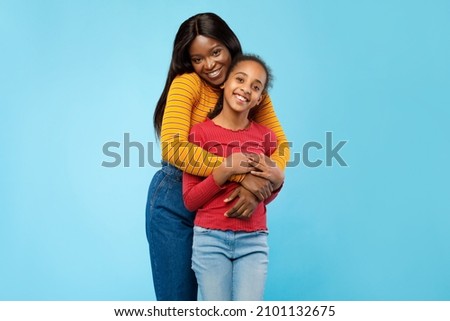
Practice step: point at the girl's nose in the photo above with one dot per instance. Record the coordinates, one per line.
(245, 89)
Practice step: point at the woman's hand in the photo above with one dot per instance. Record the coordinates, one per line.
(261, 187)
(266, 168)
(245, 206)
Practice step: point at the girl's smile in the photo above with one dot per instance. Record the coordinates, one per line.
(244, 87)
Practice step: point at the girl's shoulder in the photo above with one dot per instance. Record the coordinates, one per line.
(199, 132)
(202, 126)
(262, 128)
(268, 136)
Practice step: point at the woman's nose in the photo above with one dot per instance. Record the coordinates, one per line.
(210, 63)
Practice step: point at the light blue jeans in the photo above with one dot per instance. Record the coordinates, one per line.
(230, 266)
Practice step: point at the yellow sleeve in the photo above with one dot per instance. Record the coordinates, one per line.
(184, 94)
(266, 116)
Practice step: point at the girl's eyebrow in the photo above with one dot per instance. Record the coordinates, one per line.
(243, 73)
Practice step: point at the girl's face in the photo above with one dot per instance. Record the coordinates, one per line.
(244, 87)
(210, 59)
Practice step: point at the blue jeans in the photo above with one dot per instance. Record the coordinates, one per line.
(230, 266)
(169, 233)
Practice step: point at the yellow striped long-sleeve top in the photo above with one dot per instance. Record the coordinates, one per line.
(189, 101)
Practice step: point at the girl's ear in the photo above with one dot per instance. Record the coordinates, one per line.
(261, 98)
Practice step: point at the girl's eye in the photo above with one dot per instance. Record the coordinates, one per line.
(256, 88)
(216, 52)
(196, 60)
(239, 79)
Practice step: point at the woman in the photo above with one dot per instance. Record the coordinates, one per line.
(204, 47)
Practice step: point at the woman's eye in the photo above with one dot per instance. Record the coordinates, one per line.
(256, 88)
(216, 52)
(196, 60)
(239, 79)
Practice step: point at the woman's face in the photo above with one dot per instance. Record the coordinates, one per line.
(210, 59)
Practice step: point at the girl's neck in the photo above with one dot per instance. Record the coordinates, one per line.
(232, 120)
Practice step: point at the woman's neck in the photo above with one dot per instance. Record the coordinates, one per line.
(232, 120)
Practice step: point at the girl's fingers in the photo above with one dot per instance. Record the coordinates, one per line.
(256, 165)
(260, 174)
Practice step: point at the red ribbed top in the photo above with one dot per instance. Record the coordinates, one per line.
(205, 196)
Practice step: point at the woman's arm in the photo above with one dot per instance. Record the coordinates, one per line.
(184, 94)
(244, 206)
(266, 168)
(265, 115)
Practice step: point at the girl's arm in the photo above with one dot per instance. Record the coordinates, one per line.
(197, 191)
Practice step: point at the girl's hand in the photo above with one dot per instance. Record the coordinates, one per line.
(245, 206)
(236, 163)
(266, 168)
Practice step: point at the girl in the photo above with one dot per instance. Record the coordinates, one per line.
(230, 254)
(203, 49)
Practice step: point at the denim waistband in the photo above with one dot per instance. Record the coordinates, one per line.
(171, 170)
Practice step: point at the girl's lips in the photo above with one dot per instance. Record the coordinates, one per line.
(241, 98)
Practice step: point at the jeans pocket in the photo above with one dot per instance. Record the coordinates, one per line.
(202, 230)
(157, 183)
(261, 232)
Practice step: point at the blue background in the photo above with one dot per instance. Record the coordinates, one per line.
(76, 75)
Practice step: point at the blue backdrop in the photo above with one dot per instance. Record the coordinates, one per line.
(375, 75)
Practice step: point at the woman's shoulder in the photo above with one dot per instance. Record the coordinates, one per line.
(191, 81)
(189, 77)
(186, 85)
